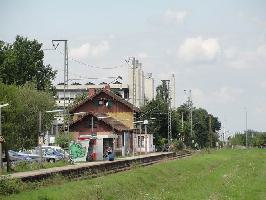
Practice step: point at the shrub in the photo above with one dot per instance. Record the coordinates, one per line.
(10, 186)
(177, 145)
(63, 140)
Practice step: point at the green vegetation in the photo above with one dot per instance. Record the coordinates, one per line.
(26, 166)
(222, 174)
(22, 62)
(26, 84)
(254, 139)
(20, 120)
(204, 129)
(63, 140)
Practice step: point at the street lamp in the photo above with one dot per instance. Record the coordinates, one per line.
(1, 156)
(145, 122)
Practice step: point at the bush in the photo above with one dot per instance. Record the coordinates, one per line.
(177, 145)
(63, 140)
(10, 186)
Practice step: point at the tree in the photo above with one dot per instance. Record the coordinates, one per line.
(20, 118)
(162, 92)
(158, 109)
(254, 138)
(63, 140)
(22, 62)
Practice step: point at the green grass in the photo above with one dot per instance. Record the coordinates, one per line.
(223, 174)
(25, 166)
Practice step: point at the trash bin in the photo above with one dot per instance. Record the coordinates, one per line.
(111, 157)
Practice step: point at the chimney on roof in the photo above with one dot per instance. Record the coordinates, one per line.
(91, 92)
(107, 88)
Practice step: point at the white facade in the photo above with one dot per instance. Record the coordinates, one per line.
(138, 76)
(140, 143)
(72, 91)
(149, 87)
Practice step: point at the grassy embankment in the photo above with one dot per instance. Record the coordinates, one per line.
(25, 166)
(223, 174)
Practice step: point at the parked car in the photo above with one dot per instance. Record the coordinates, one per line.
(57, 150)
(17, 156)
(51, 155)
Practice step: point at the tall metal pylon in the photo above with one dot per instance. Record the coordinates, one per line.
(134, 101)
(169, 113)
(134, 80)
(66, 113)
(190, 106)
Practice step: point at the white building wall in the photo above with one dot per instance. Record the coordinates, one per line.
(141, 148)
(140, 84)
(149, 87)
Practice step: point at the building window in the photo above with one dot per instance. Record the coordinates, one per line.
(140, 141)
(103, 102)
(89, 123)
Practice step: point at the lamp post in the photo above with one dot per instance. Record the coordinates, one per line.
(146, 122)
(1, 156)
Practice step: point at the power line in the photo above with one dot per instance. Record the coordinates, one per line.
(85, 64)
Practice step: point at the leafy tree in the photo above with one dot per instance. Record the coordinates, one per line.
(201, 134)
(254, 138)
(162, 92)
(22, 62)
(20, 119)
(156, 110)
(63, 140)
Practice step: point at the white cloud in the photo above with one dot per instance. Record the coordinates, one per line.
(241, 59)
(142, 55)
(171, 16)
(198, 97)
(260, 109)
(263, 84)
(221, 96)
(227, 94)
(87, 50)
(261, 51)
(199, 50)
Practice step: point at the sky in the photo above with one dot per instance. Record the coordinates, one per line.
(216, 48)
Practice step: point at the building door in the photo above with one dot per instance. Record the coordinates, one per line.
(107, 143)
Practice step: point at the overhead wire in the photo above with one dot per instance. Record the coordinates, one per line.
(85, 64)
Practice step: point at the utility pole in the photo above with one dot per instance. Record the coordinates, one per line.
(40, 136)
(246, 129)
(182, 126)
(190, 106)
(66, 113)
(134, 101)
(169, 114)
(1, 139)
(140, 138)
(210, 131)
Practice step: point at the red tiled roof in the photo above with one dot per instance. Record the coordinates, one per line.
(111, 94)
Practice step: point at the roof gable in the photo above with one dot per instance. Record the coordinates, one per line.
(109, 93)
(115, 124)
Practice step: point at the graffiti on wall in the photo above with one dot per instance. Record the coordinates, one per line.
(77, 150)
